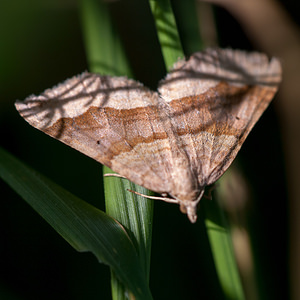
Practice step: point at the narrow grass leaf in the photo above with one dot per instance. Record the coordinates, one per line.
(104, 50)
(85, 227)
(132, 211)
(166, 31)
(222, 249)
(215, 222)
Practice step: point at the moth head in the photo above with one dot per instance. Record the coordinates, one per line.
(190, 207)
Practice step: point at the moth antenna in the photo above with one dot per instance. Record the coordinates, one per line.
(169, 200)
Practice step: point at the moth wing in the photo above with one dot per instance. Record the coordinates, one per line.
(113, 120)
(214, 99)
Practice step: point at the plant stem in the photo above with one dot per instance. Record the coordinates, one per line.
(167, 31)
(105, 55)
(218, 233)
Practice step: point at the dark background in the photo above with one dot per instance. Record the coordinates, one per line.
(41, 45)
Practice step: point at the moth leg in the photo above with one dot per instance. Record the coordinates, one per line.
(114, 175)
(169, 200)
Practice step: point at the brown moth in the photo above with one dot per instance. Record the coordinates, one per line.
(175, 141)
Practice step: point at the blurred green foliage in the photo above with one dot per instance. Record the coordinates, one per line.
(41, 45)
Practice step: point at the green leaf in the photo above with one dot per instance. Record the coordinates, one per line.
(167, 31)
(133, 211)
(215, 222)
(104, 49)
(105, 54)
(85, 227)
(218, 232)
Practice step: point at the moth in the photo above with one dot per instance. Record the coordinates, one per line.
(174, 141)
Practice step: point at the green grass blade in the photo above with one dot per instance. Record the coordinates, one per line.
(104, 49)
(219, 236)
(134, 212)
(85, 227)
(167, 31)
(187, 21)
(216, 225)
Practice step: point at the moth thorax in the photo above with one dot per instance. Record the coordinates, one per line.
(186, 188)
